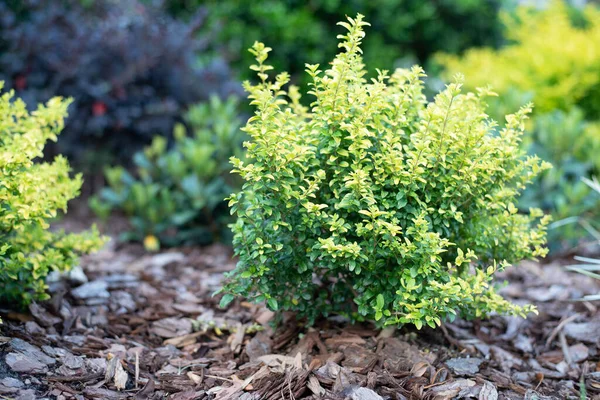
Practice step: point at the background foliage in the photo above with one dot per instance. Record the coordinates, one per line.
(378, 203)
(131, 70)
(552, 55)
(553, 59)
(177, 194)
(571, 144)
(31, 194)
(402, 31)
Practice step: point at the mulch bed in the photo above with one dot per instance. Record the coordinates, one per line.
(145, 326)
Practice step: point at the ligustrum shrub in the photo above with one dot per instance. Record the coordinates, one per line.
(176, 195)
(31, 194)
(376, 203)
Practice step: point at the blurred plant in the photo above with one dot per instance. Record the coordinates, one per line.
(378, 204)
(571, 144)
(131, 71)
(403, 31)
(589, 266)
(31, 195)
(551, 56)
(177, 196)
(553, 59)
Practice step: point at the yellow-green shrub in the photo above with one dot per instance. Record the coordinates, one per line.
(549, 56)
(376, 203)
(31, 194)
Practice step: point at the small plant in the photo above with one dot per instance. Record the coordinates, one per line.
(376, 203)
(177, 196)
(589, 266)
(31, 194)
(132, 71)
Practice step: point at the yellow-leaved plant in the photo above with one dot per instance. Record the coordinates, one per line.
(31, 193)
(375, 203)
(549, 58)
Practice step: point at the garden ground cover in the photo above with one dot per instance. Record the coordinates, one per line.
(145, 326)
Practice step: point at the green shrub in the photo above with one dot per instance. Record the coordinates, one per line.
(402, 29)
(177, 196)
(30, 195)
(589, 266)
(552, 59)
(571, 144)
(377, 203)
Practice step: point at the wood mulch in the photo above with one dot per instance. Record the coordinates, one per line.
(145, 326)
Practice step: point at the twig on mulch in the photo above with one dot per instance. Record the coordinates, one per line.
(77, 378)
(559, 327)
(455, 342)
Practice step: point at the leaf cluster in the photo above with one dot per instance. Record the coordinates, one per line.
(377, 203)
(31, 194)
(176, 193)
(553, 58)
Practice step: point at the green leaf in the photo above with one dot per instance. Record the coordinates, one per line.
(380, 301)
(226, 300)
(272, 303)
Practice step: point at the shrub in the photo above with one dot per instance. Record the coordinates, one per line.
(571, 144)
(589, 266)
(554, 60)
(31, 194)
(131, 71)
(402, 29)
(377, 203)
(177, 195)
(551, 57)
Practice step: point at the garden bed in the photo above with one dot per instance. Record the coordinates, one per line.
(146, 326)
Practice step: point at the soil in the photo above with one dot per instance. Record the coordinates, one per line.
(146, 326)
